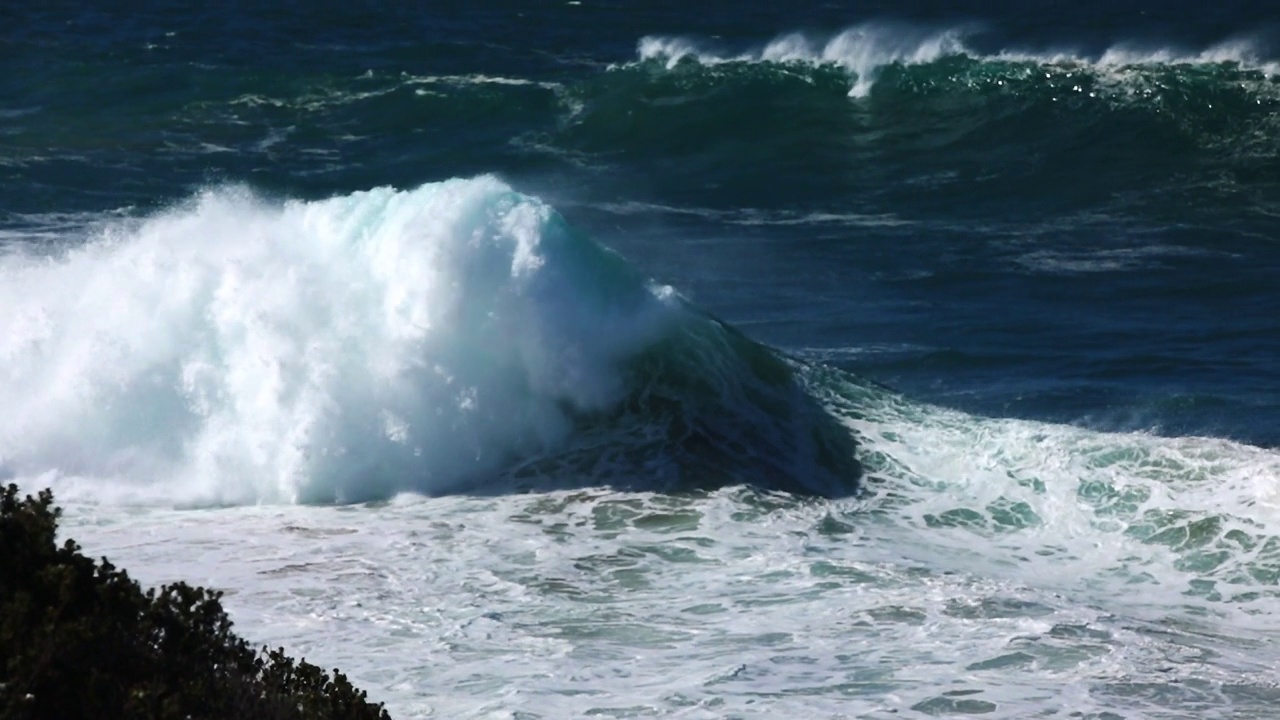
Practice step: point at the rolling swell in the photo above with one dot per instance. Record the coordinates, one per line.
(885, 113)
(455, 337)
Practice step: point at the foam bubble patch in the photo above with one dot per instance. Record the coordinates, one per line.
(1168, 521)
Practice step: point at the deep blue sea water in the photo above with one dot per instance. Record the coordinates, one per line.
(990, 276)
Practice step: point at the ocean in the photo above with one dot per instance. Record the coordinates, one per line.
(663, 359)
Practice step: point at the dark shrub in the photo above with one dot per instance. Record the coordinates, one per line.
(79, 639)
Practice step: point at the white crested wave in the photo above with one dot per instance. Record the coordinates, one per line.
(864, 50)
(240, 350)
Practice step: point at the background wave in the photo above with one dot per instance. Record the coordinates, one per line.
(1054, 130)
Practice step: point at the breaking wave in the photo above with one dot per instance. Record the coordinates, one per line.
(448, 337)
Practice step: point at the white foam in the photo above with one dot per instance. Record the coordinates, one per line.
(1082, 511)
(239, 350)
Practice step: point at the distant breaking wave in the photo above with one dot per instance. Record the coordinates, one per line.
(862, 50)
(865, 50)
(1039, 124)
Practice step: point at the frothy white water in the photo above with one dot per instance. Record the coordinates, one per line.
(997, 567)
(239, 350)
(1168, 522)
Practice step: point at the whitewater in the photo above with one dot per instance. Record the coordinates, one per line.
(441, 439)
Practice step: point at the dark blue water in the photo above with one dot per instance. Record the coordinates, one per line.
(1066, 214)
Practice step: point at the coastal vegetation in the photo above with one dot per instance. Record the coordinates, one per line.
(80, 639)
